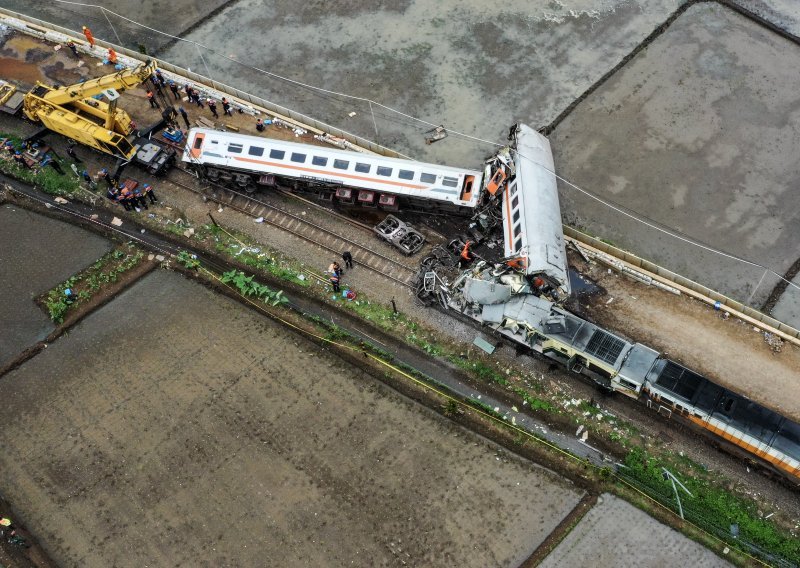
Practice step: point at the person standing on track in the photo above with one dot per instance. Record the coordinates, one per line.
(226, 107)
(152, 98)
(148, 192)
(348, 259)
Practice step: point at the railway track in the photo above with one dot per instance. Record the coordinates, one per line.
(331, 241)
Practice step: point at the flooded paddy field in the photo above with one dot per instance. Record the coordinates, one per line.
(615, 533)
(36, 253)
(174, 427)
(699, 133)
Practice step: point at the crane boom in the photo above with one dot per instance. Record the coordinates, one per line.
(72, 111)
(121, 80)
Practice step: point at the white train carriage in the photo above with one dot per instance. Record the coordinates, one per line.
(532, 231)
(346, 177)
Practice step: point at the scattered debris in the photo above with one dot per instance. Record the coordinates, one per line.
(259, 219)
(116, 221)
(60, 200)
(775, 343)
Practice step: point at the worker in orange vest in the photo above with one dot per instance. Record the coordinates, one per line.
(152, 99)
(112, 56)
(466, 256)
(89, 37)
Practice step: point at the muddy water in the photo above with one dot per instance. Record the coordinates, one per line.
(174, 427)
(21, 72)
(36, 253)
(474, 66)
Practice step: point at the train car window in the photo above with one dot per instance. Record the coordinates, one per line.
(788, 439)
(277, 154)
(516, 216)
(299, 158)
(515, 202)
(513, 188)
(235, 148)
(726, 405)
(341, 164)
(384, 171)
(198, 142)
(427, 178)
(518, 244)
(450, 182)
(363, 168)
(319, 161)
(255, 151)
(518, 230)
(405, 174)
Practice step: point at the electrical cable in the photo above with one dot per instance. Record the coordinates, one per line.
(636, 217)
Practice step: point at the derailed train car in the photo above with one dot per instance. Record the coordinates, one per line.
(344, 177)
(504, 302)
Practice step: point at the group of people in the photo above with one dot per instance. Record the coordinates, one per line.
(17, 155)
(226, 107)
(111, 56)
(132, 199)
(335, 269)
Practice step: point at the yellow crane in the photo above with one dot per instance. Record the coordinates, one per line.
(74, 112)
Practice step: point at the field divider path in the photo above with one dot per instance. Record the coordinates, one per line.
(311, 232)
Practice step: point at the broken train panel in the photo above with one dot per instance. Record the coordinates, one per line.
(503, 300)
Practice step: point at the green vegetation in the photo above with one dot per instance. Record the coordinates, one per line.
(188, 260)
(713, 507)
(247, 286)
(105, 271)
(46, 178)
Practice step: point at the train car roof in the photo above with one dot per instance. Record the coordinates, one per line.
(533, 195)
(739, 411)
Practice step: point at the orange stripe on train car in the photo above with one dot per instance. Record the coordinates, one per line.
(746, 446)
(323, 172)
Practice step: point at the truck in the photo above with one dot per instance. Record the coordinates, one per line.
(88, 113)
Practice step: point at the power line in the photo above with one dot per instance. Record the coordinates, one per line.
(614, 207)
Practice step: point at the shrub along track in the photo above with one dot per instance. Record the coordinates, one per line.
(335, 243)
(406, 369)
(409, 363)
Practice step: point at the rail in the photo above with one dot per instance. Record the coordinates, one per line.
(310, 232)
